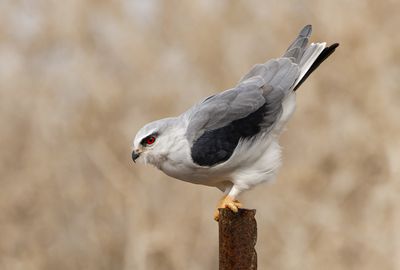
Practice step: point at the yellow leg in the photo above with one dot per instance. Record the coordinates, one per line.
(227, 202)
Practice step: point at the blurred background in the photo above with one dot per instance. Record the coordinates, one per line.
(79, 78)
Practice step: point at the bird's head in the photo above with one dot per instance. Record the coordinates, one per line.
(152, 142)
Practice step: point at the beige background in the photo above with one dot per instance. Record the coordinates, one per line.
(79, 78)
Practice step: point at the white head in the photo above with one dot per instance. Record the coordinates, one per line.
(153, 142)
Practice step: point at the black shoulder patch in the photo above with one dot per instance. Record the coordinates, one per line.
(216, 146)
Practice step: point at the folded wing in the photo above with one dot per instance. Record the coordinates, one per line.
(216, 125)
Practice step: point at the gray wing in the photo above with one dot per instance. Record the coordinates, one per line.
(266, 84)
(216, 125)
(223, 108)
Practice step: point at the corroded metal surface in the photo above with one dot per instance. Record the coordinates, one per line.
(237, 240)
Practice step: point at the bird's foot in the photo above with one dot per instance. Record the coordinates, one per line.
(227, 202)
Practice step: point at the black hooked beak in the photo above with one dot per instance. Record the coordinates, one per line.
(135, 155)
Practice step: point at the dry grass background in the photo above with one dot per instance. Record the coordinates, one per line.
(79, 78)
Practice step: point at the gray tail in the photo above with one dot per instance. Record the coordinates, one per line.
(307, 57)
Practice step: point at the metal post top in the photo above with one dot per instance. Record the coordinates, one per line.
(249, 213)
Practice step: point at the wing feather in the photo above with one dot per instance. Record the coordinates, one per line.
(269, 85)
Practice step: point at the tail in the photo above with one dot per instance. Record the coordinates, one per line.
(308, 58)
(326, 52)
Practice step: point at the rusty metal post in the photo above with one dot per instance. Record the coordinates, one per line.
(237, 240)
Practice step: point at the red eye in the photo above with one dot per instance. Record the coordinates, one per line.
(150, 140)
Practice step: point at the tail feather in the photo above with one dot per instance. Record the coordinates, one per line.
(326, 52)
(309, 56)
(306, 58)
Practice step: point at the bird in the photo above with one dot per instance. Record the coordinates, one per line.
(230, 140)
